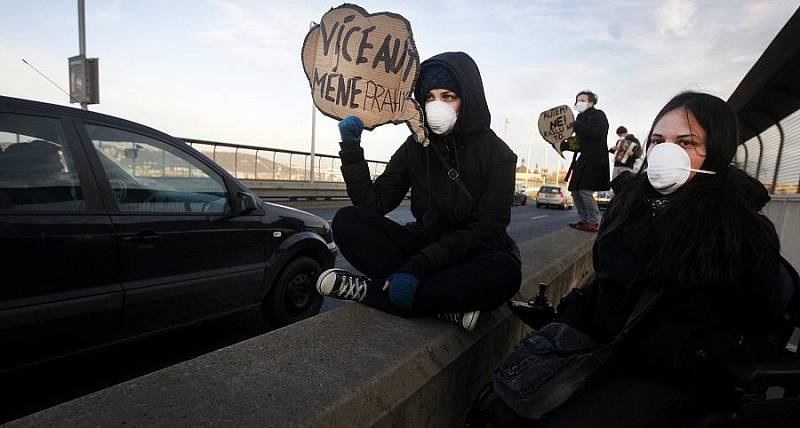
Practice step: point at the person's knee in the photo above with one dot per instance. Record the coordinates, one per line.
(512, 281)
(511, 273)
(508, 277)
(347, 219)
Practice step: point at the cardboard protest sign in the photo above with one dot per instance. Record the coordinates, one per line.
(364, 65)
(555, 125)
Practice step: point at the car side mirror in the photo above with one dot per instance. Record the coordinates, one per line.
(246, 202)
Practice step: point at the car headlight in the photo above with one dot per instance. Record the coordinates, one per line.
(324, 231)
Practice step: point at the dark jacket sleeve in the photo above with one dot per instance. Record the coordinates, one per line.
(579, 309)
(387, 191)
(486, 227)
(593, 126)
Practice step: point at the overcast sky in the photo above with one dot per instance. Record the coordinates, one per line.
(230, 70)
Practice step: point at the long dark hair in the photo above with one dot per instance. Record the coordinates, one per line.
(698, 239)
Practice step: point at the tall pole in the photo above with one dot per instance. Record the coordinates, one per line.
(313, 136)
(313, 126)
(82, 38)
(547, 171)
(558, 171)
(528, 177)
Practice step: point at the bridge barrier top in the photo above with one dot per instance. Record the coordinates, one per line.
(264, 163)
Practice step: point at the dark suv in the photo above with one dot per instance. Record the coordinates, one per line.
(110, 230)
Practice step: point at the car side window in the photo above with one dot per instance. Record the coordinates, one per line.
(148, 175)
(37, 172)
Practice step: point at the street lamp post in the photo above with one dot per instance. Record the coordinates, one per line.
(547, 171)
(313, 137)
(528, 171)
(558, 171)
(82, 38)
(313, 126)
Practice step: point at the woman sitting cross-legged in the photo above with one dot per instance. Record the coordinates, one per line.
(456, 259)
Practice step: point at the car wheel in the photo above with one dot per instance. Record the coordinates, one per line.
(524, 201)
(538, 205)
(294, 296)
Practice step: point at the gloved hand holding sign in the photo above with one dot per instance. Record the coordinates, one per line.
(350, 129)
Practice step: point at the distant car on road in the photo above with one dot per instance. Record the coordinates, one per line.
(110, 230)
(603, 198)
(520, 198)
(554, 196)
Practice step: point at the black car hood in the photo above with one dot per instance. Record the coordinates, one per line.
(299, 219)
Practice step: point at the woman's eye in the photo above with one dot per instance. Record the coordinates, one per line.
(656, 141)
(687, 143)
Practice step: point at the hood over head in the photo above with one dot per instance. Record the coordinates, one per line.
(474, 115)
(438, 76)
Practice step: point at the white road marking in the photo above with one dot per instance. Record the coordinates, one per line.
(539, 216)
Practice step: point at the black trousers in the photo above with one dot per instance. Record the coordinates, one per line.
(378, 247)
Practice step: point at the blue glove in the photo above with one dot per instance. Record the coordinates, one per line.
(350, 128)
(402, 288)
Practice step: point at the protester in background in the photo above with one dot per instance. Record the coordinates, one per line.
(689, 225)
(457, 258)
(622, 132)
(589, 171)
(626, 152)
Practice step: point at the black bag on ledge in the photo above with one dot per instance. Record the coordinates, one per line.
(557, 362)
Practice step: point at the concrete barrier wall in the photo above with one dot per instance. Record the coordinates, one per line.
(784, 211)
(354, 366)
(278, 190)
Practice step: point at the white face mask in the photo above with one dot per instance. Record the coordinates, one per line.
(441, 117)
(668, 167)
(581, 106)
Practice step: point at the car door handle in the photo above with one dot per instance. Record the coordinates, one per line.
(144, 239)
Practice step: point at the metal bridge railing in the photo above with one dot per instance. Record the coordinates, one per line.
(262, 163)
(773, 157)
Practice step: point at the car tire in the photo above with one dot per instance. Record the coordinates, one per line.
(524, 201)
(294, 296)
(538, 205)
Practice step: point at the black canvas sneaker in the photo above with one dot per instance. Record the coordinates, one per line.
(467, 320)
(341, 284)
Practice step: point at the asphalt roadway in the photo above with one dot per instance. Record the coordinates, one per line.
(46, 385)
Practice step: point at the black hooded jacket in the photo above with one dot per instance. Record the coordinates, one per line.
(457, 225)
(704, 320)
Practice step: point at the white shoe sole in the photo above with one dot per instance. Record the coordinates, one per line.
(470, 320)
(326, 281)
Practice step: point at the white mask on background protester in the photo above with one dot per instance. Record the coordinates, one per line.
(668, 167)
(441, 117)
(581, 106)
